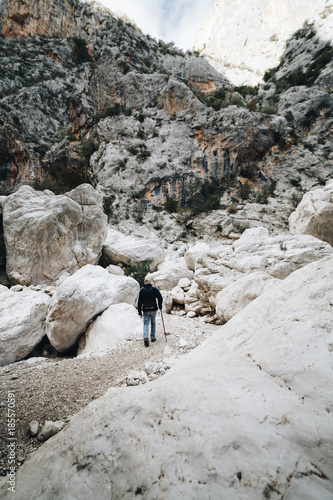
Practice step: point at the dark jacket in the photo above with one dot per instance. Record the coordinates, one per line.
(147, 299)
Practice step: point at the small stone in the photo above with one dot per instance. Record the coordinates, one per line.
(191, 314)
(50, 429)
(184, 283)
(33, 428)
(16, 288)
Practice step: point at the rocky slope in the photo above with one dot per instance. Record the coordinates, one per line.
(246, 414)
(245, 38)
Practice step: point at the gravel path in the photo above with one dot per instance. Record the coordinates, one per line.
(56, 389)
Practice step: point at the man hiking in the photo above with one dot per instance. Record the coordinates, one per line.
(147, 304)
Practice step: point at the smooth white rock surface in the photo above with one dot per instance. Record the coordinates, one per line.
(314, 214)
(47, 235)
(117, 323)
(193, 253)
(248, 411)
(22, 322)
(239, 294)
(177, 295)
(82, 296)
(121, 248)
(117, 270)
(169, 273)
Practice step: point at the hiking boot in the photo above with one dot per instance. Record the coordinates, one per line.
(146, 341)
(153, 340)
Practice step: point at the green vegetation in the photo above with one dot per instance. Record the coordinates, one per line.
(249, 171)
(56, 187)
(300, 77)
(171, 205)
(87, 149)
(80, 50)
(138, 271)
(244, 190)
(143, 155)
(108, 205)
(141, 134)
(116, 110)
(133, 150)
(208, 198)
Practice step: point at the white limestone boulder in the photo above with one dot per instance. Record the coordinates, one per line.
(177, 295)
(246, 414)
(82, 296)
(193, 253)
(314, 214)
(117, 270)
(185, 283)
(169, 273)
(119, 248)
(239, 294)
(22, 322)
(47, 235)
(117, 323)
(254, 251)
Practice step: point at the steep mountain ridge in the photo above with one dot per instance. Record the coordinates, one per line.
(150, 126)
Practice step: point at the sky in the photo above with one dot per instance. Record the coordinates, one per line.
(169, 20)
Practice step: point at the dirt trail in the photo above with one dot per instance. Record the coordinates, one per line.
(56, 389)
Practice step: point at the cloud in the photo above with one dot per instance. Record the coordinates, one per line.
(169, 20)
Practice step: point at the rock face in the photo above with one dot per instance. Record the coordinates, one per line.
(269, 428)
(146, 123)
(119, 248)
(37, 17)
(47, 235)
(243, 39)
(117, 323)
(314, 215)
(22, 324)
(239, 294)
(80, 298)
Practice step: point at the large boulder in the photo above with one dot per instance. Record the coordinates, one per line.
(22, 324)
(47, 235)
(314, 214)
(245, 415)
(239, 294)
(119, 248)
(169, 273)
(192, 254)
(117, 323)
(82, 296)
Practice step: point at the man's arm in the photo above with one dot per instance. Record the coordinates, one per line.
(159, 297)
(140, 303)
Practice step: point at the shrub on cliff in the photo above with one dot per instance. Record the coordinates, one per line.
(80, 50)
(138, 271)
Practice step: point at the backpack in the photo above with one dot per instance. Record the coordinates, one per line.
(149, 301)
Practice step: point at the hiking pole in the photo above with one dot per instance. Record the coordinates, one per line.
(163, 326)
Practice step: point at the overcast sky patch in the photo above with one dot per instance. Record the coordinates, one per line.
(168, 20)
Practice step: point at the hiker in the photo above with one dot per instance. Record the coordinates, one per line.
(147, 304)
